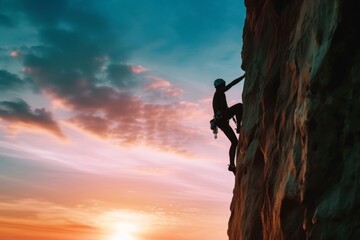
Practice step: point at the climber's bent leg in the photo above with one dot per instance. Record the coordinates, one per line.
(237, 111)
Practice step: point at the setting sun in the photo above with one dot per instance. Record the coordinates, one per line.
(121, 225)
(122, 236)
(123, 231)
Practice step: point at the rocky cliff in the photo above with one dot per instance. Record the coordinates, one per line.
(299, 150)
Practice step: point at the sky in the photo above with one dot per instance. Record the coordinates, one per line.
(104, 118)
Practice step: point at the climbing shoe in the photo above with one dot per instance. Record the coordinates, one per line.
(232, 168)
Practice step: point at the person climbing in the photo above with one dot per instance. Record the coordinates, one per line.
(223, 113)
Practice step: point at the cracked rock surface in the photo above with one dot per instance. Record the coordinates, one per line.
(298, 161)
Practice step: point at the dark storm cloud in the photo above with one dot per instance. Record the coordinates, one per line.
(10, 81)
(20, 112)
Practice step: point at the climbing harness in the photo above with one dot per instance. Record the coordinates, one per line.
(213, 123)
(213, 127)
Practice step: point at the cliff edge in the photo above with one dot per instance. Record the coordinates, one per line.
(298, 164)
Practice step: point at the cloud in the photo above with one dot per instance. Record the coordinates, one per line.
(9, 80)
(158, 83)
(161, 89)
(15, 54)
(94, 124)
(66, 66)
(19, 112)
(131, 121)
(121, 75)
(80, 61)
(89, 220)
(139, 69)
(27, 215)
(117, 113)
(43, 12)
(6, 21)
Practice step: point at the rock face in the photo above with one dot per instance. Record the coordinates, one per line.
(299, 149)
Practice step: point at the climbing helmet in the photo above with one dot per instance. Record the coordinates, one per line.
(218, 82)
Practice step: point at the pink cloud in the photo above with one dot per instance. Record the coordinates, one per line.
(131, 122)
(175, 92)
(157, 83)
(15, 54)
(138, 69)
(94, 124)
(156, 120)
(163, 88)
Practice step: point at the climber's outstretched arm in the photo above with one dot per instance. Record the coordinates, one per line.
(236, 81)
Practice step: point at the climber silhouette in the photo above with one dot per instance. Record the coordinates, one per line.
(223, 113)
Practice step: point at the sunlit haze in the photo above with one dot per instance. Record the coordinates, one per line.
(104, 118)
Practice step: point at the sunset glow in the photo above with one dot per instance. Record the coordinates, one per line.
(121, 227)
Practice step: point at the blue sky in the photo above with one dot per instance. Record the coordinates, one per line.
(116, 94)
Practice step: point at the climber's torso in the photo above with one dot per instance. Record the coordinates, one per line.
(219, 102)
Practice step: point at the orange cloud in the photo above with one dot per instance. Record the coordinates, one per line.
(39, 219)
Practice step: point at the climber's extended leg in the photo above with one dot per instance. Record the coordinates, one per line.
(233, 139)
